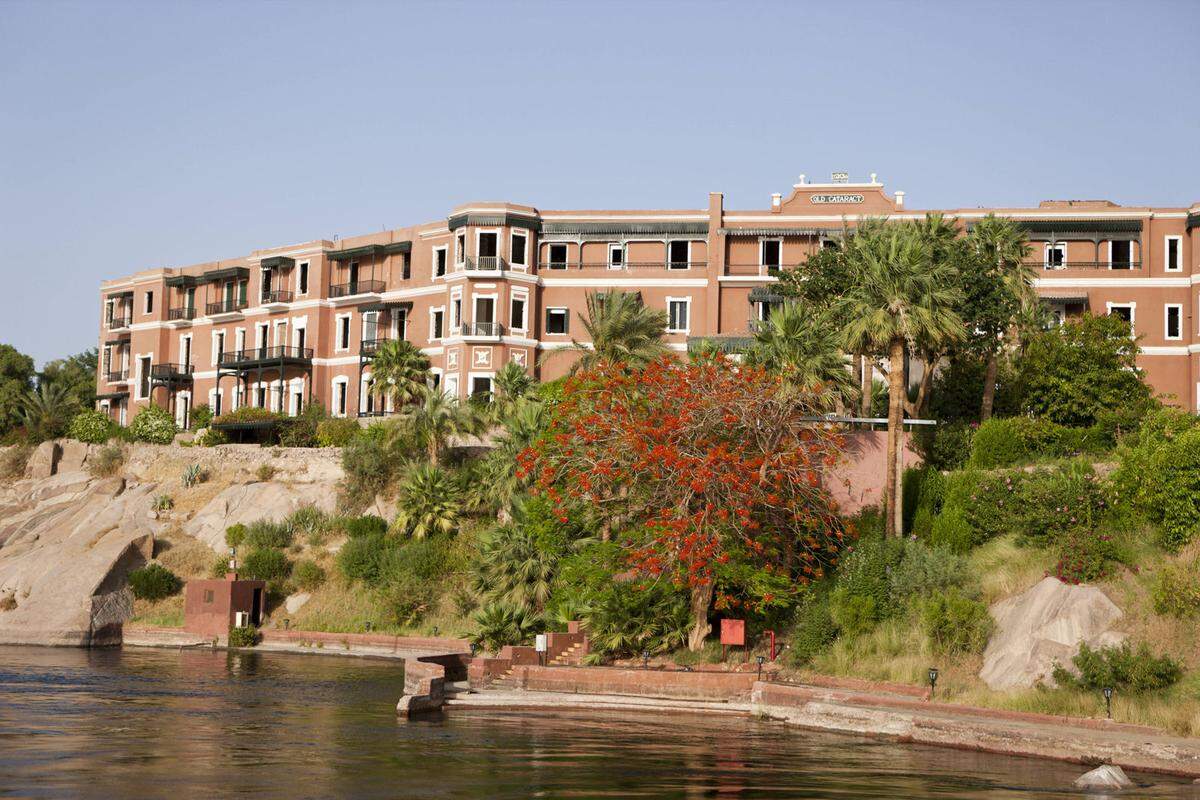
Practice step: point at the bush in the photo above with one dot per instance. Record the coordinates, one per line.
(265, 564)
(361, 558)
(997, 443)
(235, 535)
(952, 531)
(1176, 591)
(812, 633)
(301, 431)
(627, 619)
(310, 522)
(1054, 502)
(246, 636)
(955, 623)
(337, 431)
(249, 414)
(1121, 668)
(201, 416)
(1171, 489)
(154, 582)
(210, 437)
(264, 533)
(220, 567)
(943, 447)
(265, 472)
(500, 624)
(307, 575)
(13, 461)
(192, 475)
(153, 424)
(366, 525)
(1084, 555)
(163, 502)
(925, 571)
(106, 461)
(862, 594)
(91, 426)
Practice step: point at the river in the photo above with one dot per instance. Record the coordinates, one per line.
(162, 723)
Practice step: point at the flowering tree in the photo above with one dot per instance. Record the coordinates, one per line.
(709, 470)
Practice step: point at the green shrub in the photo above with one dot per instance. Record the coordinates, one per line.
(853, 614)
(337, 431)
(235, 535)
(814, 630)
(997, 443)
(307, 575)
(193, 475)
(430, 501)
(249, 414)
(153, 424)
(301, 431)
(265, 472)
(370, 463)
(210, 437)
(154, 582)
(265, 564)
(361, 558)
(201, 416)
(861, 596)
(91, 426)
(163, 502)
(943, 447)
(1120, 668)
(500, 624)
(13, 461)
(627, 619)
(924, 571)
(952, 531)
(1084, 555)
(366, 525)
(267, 534)
(1053, 502)
(106, 461)
(1176, 591)
(955, 623)
(1171, 489)
(310, 522)
(246, 636)
(220, 567)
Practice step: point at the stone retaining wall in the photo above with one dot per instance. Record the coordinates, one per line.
(677, 685)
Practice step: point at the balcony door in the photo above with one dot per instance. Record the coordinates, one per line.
(1120, 254)
(185, 352)
(370, 323)
(353, 277)
(264, 339)
(488, 244)
(228, 296)
(189, 300)
(485, 315)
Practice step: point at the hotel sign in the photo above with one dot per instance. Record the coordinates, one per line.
(822, 199)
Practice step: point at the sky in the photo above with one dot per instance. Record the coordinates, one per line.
(161, 134)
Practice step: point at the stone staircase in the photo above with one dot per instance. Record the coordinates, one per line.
(571, 657)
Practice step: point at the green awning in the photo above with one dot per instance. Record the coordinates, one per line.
(120, 295)
(351, 253)
(618, 228)
(1193, 220)
(182, 281)
(277, 262)
(112, 395)
(388, 306)
(764, 294)
(397, 247)
(226, 274)
(724, 344)
(498, 219)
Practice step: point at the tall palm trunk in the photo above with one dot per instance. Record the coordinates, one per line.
(896, 397)
(702, 594)
(866, 382)
(989, 386)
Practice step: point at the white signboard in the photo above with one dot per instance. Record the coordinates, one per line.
(540, 643)
(822, 199)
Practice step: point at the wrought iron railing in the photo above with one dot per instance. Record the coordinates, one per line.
(275, 353)
(277, 296)
(1118, 265)
(183, 312)
(368, 346)
(168, 371)
(355, 287)
(120, 321)
(225, 307)
(482, 329)
(483, 264)
(117, 376)
(628, 265)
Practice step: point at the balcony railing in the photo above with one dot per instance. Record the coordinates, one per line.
(355, 287)
(168, 372)
(754, 269)
(628, 265)
(120, 321)
(482, 264)
(1117, 265)
(369, 346)
(277, 296)
(184, 312)
(255, 354)
(117, 377)
(482, 329)
(225, 307)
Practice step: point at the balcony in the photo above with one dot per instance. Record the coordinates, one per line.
(369, 347)
(280, 355)
(170, 373)
(181, 314)
(119, 376)
(482, 330)
(602, 266)
(224, 307)
(277, 297)
(119, 321)
(1111, 265)
(749, 270)
(355, 288)
(482, 264)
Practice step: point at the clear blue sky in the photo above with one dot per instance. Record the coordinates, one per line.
(137, 135)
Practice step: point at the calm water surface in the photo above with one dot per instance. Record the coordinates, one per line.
(161, 723)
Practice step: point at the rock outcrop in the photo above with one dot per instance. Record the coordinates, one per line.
(249, 502)
(1044, 625)
(1107, 776)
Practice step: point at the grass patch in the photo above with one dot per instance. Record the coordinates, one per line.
(166, 613)
(1005, 568)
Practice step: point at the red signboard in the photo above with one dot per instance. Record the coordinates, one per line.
(733, 631)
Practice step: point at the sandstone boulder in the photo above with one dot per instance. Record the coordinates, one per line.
(1043, 625)
(246, 503)
(1107, 776)
(73, 456)
(43, 461)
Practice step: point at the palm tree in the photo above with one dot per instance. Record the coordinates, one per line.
(511, 384)
(400, 370)
(900, 295)
(437, 416)
(1003, 243)
(805, 345)
(47, 411)
(498, 470)
(430, 502)
(622, 331)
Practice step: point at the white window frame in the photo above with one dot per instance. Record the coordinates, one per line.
(239, 339)
(280, 340)
(491, 376)
(362, 333)
(217, 351)
(295, 388)
(494, 297)
(687, 301)
(365, 388)
(667, 255)
(148, 302)
(616, 247)
(566, 249)
(338, 346)
(1167, 321)
(565, 311)
(1167, 253)
(304, 269)
(299, 324)
(262, 335)
(1132, 306)
(137, 376)
(433, 312)
(344, 381)
(183, 409)
(460, 248)
(455, 315)
(512, 237)
(217, 407)
(449, 384)
(523, 296)
(433, 265)
(186, 337)
(762, 251)
(1049, 246)
(479, 232)
(1110, 256)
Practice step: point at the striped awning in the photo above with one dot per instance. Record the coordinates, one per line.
(119, 295)
(765, 294)
(229, 273)
(620, 228)
(182, 280)
(777, 231)
(395, 305)
(499, 219)
(1068, 298)
(277, 262)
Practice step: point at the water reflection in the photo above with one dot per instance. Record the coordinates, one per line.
(166, 723)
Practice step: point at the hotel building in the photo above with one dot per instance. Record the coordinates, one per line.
(498, 282)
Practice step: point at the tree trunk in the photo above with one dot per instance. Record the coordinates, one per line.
(989, 386)
(892, 512)
(866, 383)
(702, 594)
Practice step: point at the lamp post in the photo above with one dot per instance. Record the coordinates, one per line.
(474, 647)
(645, 659)
(933, 676)
(233, 559)
(1108, 701)
(368, 626)
(760, 660)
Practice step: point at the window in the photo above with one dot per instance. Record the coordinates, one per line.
(437, 318)
(339, 397)
(406, 266)
(300, 336)
(400, 323)
(517, 248)
(208, 595)
(558, 256)
(460, 248)
(516, 316)
(242, 292)
(302, 278)
(1055, 255)
(185, 350)
(1174, 321)
(616, 256)
(1124, 311)
(262, 337)
(557, 321)
(370, 325)
(218, 346)
(678, 254)
(149, 302)
(677, 314)
(239, 339)
(481, 386)
(439, 261)
(216, 403)
(343, 332)
(260, 396)
(455, 313)
(1172, 254)
(1119, 254)
(771, 253)
(108, 313)
(144, 376)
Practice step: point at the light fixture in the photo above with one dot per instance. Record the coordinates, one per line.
(933, 676)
